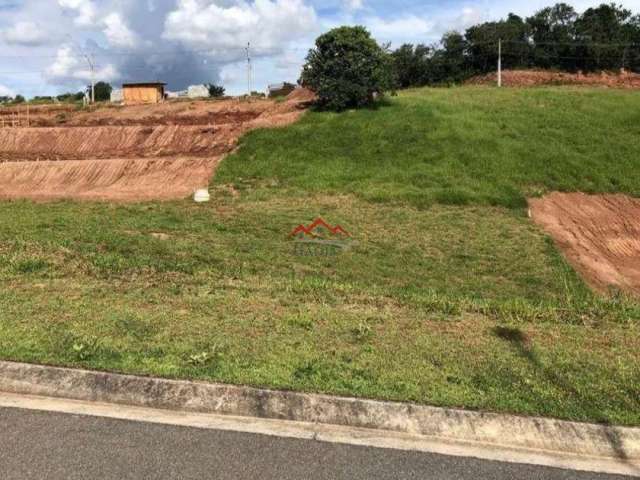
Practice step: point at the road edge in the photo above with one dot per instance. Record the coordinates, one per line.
(592, 447)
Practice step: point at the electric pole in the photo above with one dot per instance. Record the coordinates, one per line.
(92, 67)
(249, 70)
(500, 63)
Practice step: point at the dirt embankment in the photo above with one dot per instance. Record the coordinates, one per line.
(114, 179)
(111, 142)
(131, 153)
(533, 78)
(598, 234)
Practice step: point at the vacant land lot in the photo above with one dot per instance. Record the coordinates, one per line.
(452, 296)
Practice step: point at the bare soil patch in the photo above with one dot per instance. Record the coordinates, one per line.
(123, 180)
(130, 153)
(533, 78)
(599, 235)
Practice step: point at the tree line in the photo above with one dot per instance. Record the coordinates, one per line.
(557, 37)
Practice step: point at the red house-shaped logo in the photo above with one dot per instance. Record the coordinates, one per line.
(319, 229)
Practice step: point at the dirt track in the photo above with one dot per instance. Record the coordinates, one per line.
(599, 235)
(131, 153)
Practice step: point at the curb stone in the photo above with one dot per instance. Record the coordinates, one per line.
(621, 444)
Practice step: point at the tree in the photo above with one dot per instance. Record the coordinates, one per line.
(70, 97)
(216, 91)
(412, 65)
(454, 64)
(483, 42)
(102, 91)
(605, 32)
(347, 68)
(18, 99)
(553, 33)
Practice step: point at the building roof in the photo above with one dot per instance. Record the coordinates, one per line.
(144, 84)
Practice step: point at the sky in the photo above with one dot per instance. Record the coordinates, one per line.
(46, 46)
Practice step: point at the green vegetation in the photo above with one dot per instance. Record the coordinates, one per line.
(451, 296)
(102, 91)
(470, 146)
(347, 68)
(606, 37)
(216, 91)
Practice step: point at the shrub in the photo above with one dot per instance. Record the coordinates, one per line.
(347, 68)
(216, 91)
(103, 91)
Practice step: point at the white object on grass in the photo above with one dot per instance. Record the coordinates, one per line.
(202, 196)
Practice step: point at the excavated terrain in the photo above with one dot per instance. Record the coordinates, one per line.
(534, 78)
(135, 153)
(598, 234)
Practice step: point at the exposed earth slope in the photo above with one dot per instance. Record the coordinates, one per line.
(132, 153)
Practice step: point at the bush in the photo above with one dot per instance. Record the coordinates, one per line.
(103, 91)
(216, 91)
(71, 97)
(347, 68)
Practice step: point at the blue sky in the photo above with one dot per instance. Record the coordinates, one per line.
(43, 43)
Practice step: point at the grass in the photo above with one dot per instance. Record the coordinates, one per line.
(475, 146)
(448, 299)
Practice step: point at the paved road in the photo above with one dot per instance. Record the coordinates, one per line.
(40, 445)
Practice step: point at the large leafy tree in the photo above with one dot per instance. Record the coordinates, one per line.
(347, 68)
(483, 42)
(606, 33)
(553, 33)
(412, 65)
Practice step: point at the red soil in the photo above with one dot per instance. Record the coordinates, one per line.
(599, 235)
(131, 153)
(532, 78)
(113, 179)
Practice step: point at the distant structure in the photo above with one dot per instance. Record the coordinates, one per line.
(178, 94)
(137, 93)
(281, 89)
(198, 91)
(117, 95)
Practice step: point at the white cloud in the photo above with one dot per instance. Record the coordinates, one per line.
(25, 34)
(6, 92)
(69, 66)
(117, 32)
(268, 24)
(84, 9)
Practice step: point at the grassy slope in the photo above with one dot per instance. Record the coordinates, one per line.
(447, 305)
(458, 146)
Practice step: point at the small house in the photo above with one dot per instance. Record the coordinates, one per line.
(137, 93)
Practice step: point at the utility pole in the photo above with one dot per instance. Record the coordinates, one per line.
(92, 67)
(249, 70)
(500, 63)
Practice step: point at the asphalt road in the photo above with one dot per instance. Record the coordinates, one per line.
(42, 445)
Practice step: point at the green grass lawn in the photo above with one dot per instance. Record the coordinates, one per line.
(451, 297)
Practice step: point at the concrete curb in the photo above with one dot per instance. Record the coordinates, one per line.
(617, 444)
